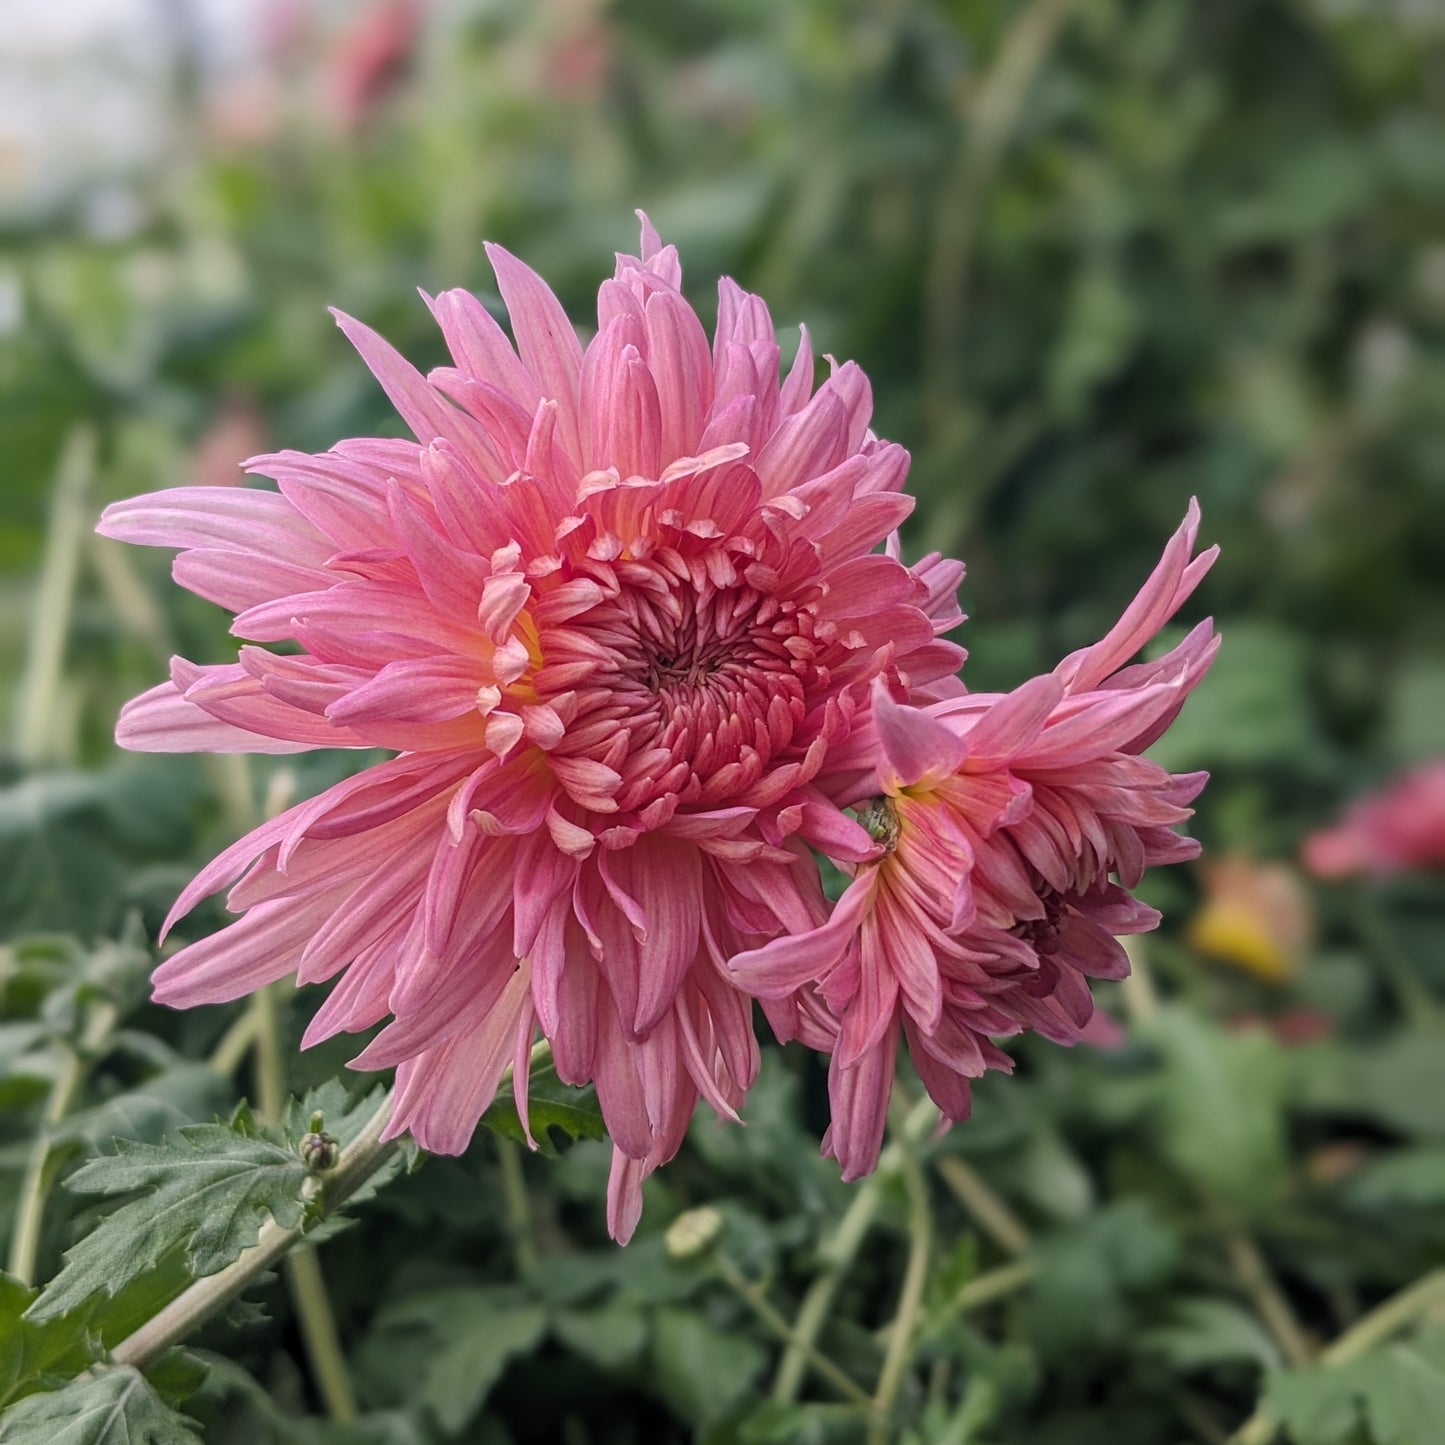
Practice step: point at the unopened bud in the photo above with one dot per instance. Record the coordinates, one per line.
(693, 1233)
(319, 1151)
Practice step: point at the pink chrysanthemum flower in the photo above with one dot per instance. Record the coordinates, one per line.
(1001, 822)
(613, 608)
(1398, 828)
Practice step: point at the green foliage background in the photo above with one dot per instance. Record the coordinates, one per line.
(1096, 257)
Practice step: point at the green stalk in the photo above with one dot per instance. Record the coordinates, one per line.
(37, 730)
(910, 1299)
(756, 1300)
(838, 1253)
(984, 1206)
(519, 1213)
(304, 1281)
(35, 1185)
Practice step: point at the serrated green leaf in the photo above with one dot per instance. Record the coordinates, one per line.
(209, 1190)
(551, 1104)
(118, 1407)
(1396, 1394)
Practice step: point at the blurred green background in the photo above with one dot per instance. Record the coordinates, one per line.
(1096, 257)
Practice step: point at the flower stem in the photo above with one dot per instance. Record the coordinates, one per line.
(75, 1060)
(234, 1044)
(988, 1211)
(996, 1284)
(756, 1300)
(38, 731)
(1269, 1300)
(1413, 1302)
(519, 1214)
(1415, 1000)
(989, 114)
(1141, 1001)
(190, 1309)
(839, 1251)
(320, 1335)
(910, 1297)
(35, 1185)
(304, 1280)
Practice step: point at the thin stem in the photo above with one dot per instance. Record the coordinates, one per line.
(1412, 1303)
(996, 1284)
(1415, 1000)
(304, 1281)
(1269, 1300)
(752, 1295)
(984, 1206)
(35, 1185)
(514, 1196)
(990, 115)
(358, 1162)
(910, 1297)
(235, 1043)
(320, 1335)
(838, 1252)
(37, 732)
(1141, 1001)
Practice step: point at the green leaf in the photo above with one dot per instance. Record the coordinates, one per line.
(1220, 1111)
(1205, 1332)
(35, 1356)
(456, 1343)
(1090, 1273)
(551, 1104)
(700, 1370)
(1408, 1177)
(1396, 1394)
(117, 1407)
(609, 1337)
(208, 1189)
(775, 1423)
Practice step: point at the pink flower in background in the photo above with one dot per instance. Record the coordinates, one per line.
(616, 607)
(1001, 819)
(1399, 828)
(370, 58)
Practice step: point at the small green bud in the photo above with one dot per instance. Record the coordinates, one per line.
(693, 1233)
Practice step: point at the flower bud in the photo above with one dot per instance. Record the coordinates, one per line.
(693, 1233)
(320, 1151)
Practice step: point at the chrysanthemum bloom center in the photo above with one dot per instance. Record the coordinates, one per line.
(691, 691)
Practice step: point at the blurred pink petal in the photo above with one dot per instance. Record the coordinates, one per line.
(1399, 828)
